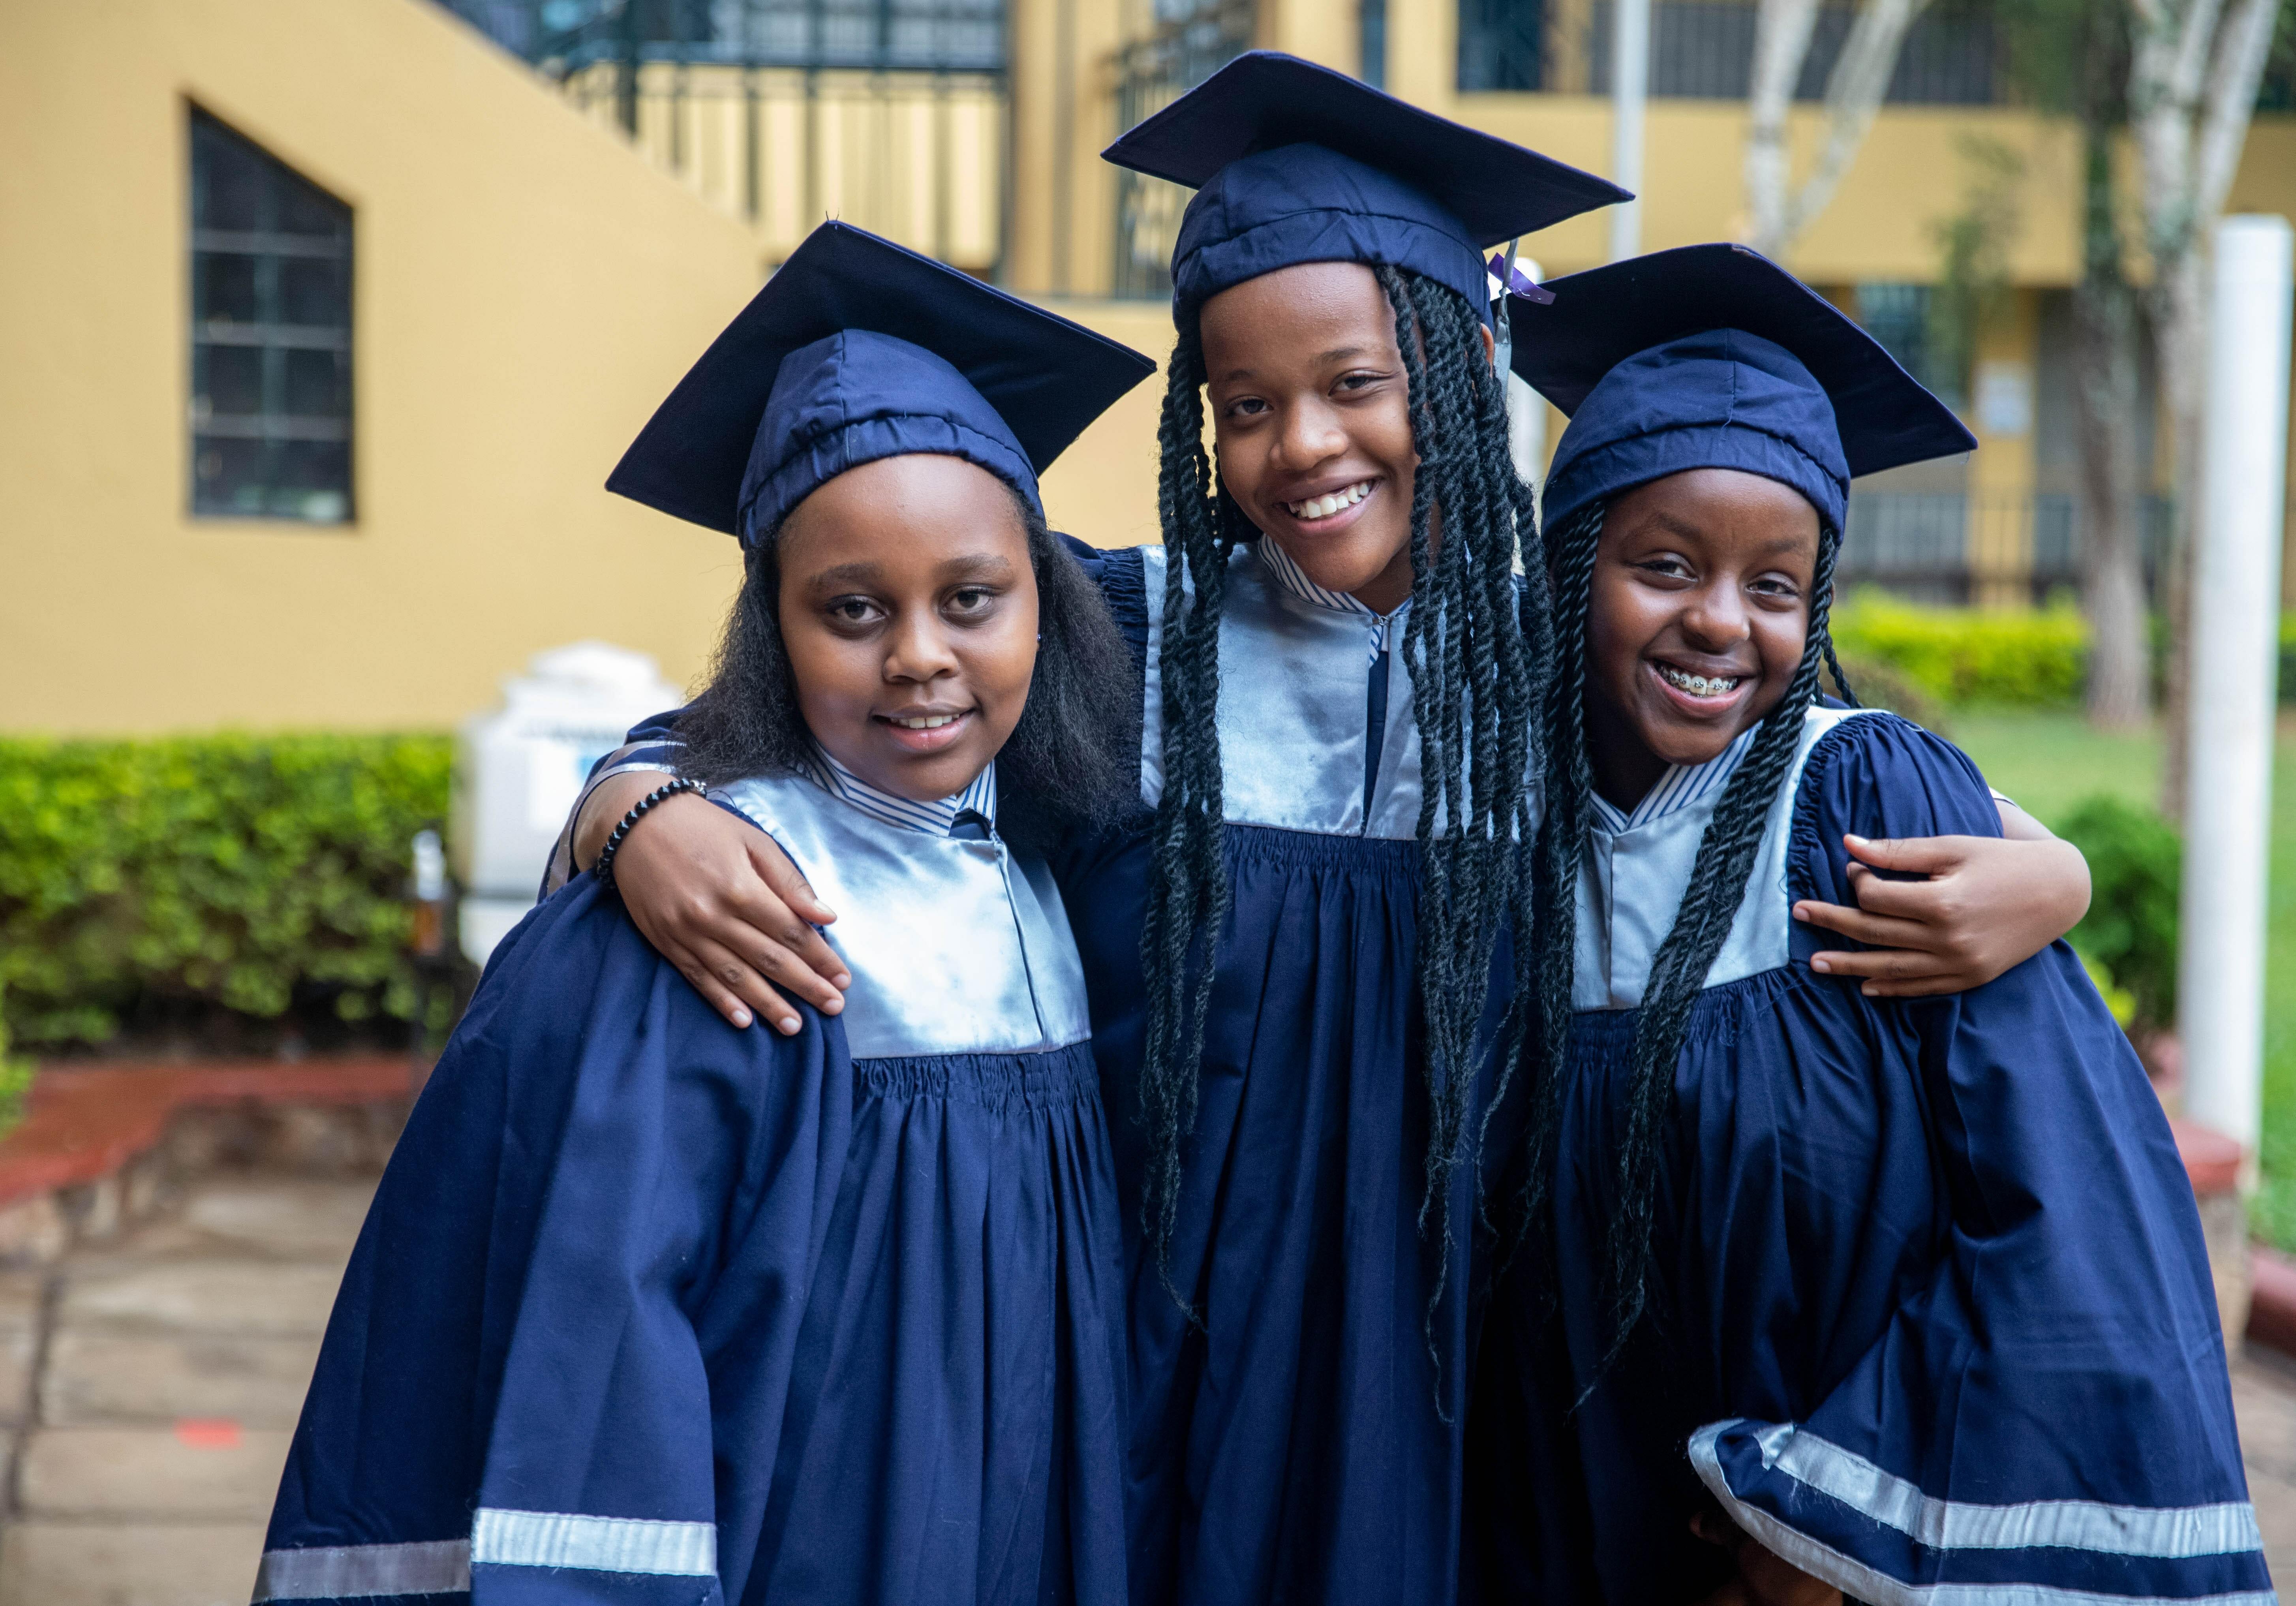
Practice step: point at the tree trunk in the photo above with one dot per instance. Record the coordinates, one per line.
(2105, 412)
(1854, 93)
(2180, 313)
(1781, 30)
(2112, 558)
(2192, 78)
(1777, 214)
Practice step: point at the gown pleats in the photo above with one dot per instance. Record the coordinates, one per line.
(650, 1309)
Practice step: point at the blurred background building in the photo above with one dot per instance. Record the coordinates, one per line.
(321, 326)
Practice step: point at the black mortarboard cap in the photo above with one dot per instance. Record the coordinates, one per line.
(1714, 357)
(1293, 162)
(858, 349)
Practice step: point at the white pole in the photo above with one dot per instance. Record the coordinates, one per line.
(1629, 88)
(2235, 643)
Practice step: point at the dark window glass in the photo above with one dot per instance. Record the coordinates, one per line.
(1502, 45)
(270, 336)
(1898, 316)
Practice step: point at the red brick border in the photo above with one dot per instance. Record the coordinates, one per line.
(85, 1123)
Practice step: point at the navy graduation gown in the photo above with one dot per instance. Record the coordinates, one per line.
(1301, 1445)
(650, 1310)
(1932, 1319)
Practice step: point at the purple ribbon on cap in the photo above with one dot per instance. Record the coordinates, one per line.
(1518, 282)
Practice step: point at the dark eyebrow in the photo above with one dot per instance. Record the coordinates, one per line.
(972, 566)
(1671, 524)
(1688, 531)
(842, 574)
(1333, 356)
(978, 566)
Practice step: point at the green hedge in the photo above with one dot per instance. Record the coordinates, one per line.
(242, 876)
(2135, 866)
(1966, 657)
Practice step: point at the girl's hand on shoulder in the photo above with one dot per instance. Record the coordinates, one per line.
(719, 899)
(1761, 1578)
(1986, 904)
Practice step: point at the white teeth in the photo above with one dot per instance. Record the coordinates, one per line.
(1701, 685)
(928, 722)
(1324, 507)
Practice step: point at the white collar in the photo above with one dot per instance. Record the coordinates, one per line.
(938, 817)
(1682, 785)
(1294, 579)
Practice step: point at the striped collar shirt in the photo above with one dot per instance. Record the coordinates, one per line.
(1294, 579)
(940, 817)
(1681, 786)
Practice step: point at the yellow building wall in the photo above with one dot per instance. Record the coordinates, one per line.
(526, 288)
(1103, 487)
(525, 291)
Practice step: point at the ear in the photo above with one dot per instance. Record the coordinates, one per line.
(1490, 347)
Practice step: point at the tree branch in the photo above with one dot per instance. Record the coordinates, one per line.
(1853, 95)
(2228, 100)
(1782, 35)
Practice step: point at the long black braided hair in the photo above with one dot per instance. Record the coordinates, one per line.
(1475, 643)
(1710, 904)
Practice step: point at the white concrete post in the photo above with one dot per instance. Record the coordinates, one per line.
(1629, 88)
(2235, 645)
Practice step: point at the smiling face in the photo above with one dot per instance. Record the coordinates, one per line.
(1696, 617)
(1310, 410)
(908, 608)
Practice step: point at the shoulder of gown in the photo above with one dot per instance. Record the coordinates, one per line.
(1876, 775)
(513, 1378)
(1122, 576)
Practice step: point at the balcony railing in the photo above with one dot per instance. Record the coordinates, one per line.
(916, 156)
(1704, 50)
(1948, 547)
(890, 114)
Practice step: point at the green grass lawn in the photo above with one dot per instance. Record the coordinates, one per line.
(2050, 763)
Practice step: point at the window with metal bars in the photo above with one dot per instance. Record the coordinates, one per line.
(270, 336)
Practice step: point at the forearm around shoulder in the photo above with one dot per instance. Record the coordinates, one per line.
(603, 808)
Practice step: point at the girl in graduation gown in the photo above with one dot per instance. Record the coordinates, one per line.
(652, 1310)
(1904, 1300)
(1296, 954)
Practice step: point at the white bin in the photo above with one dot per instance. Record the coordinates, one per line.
(518, 769)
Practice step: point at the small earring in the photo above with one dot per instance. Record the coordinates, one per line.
(1040, 635)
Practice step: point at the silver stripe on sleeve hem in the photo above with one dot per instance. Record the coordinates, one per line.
(1861, 1582)
(351, 1572)
(2120, 1530)
(635, 1544)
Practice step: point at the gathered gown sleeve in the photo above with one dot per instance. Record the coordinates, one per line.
(582, 1278)
(2046, 1414)
(651, 745)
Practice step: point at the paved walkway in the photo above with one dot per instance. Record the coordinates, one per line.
(154, 1382)
(158, 1379)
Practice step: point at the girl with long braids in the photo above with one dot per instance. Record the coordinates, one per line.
(1853, 1298)
(1304, 993)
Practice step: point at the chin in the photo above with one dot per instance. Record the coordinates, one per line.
(1349, 569)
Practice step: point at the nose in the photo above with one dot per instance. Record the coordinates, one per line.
(918, 649)
(1716, 620)
(1310, 434)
